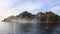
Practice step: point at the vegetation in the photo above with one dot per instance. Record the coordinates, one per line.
(25, 15)
(47, 17)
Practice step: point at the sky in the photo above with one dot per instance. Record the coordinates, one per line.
(14, 7)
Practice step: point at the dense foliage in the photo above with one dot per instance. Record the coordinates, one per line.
(46, 20)
(46, 17)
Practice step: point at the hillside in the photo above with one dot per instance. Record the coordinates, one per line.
(45, 20)
(46, 17)
(24, 16)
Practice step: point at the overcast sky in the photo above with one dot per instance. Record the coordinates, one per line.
(13, 7)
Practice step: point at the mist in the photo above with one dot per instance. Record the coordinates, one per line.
(27, 23)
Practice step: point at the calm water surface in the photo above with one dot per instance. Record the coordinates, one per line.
(16, 28)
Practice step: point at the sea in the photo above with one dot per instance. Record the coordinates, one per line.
(18, 28)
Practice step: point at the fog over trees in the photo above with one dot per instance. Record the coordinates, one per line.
(44, 20)
(47, 17)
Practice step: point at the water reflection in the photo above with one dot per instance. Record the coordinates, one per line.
(26, 28)
(6, 27)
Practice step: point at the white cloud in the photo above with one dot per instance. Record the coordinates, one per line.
(4, 14)
(5, 10)
(29, 6)
(53, 2)
(3, 6)
(55, 8)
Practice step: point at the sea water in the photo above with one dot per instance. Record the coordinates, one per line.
(22, 28)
